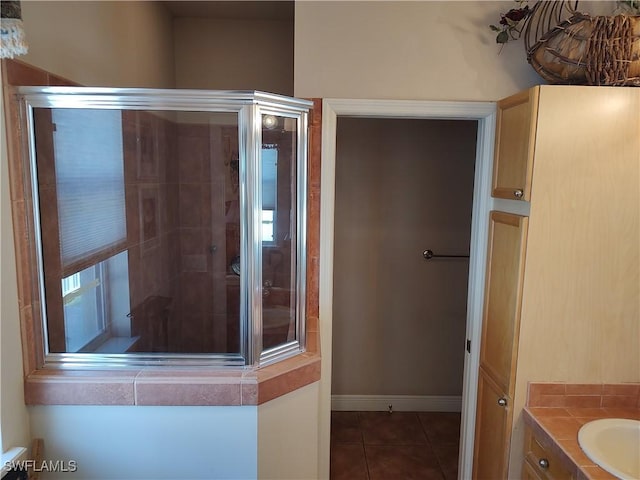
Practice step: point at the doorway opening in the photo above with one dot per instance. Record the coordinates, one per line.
(480, 114)
(403, 187)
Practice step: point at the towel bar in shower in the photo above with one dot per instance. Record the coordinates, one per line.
(428, 255)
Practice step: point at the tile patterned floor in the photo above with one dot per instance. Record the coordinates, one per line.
(394, 446)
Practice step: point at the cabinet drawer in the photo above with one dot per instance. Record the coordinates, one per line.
(542, 461)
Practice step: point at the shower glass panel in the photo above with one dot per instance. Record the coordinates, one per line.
(163, 224)
(278, 230)
(160, 189)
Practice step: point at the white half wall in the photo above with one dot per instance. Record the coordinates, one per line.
(288, 436)
(149, 443)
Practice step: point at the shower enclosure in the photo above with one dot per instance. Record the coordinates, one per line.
(169, 224)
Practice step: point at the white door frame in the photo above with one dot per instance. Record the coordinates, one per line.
(484, 113)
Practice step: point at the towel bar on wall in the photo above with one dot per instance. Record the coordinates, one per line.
(428, 255)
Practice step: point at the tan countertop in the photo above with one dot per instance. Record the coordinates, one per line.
(558, 428)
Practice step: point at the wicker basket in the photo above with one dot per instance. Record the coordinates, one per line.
(589, 50)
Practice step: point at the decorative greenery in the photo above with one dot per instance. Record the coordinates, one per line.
(513, 22)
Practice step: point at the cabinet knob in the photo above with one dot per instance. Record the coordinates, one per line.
(518, 194)
(502, 402)
(544, 463)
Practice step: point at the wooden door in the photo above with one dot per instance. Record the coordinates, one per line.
(493, 425)
(515, 139)
(503, 295)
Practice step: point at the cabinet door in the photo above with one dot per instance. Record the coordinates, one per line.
(515, 141)
(493, 425)
(503, 294)
(529, 473)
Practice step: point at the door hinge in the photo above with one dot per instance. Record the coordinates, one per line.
(468, 345)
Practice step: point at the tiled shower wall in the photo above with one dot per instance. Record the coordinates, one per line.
(182, 240)
(152, 221)
(208, 295)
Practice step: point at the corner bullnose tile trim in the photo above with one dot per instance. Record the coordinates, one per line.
(172, 387)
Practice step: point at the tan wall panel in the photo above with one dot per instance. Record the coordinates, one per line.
(586, 193)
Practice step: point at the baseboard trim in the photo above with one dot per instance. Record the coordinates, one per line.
(400, 403)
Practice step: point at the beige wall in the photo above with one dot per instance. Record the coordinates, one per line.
(224, 54)
(14, 417)
(399, 321)
(405, 50)
(123, 44)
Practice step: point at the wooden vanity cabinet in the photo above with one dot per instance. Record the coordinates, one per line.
(562, 290)
(540, 462)
(515, 145)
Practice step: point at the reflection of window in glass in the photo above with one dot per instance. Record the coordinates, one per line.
(84, 308)
(267, 226)
(96, 306)
(70, 284)
(269, 193)
(89, 178)
(89, 172)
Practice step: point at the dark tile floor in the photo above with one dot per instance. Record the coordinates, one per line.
(398, 445)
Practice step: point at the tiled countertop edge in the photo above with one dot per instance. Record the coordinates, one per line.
(568, 458)
(172, 386)
(557, 411)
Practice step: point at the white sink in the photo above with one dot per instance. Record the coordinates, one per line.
(614, 445)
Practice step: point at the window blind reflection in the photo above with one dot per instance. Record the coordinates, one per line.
(89, 181)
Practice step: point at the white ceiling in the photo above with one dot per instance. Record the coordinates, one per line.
(239, 9)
